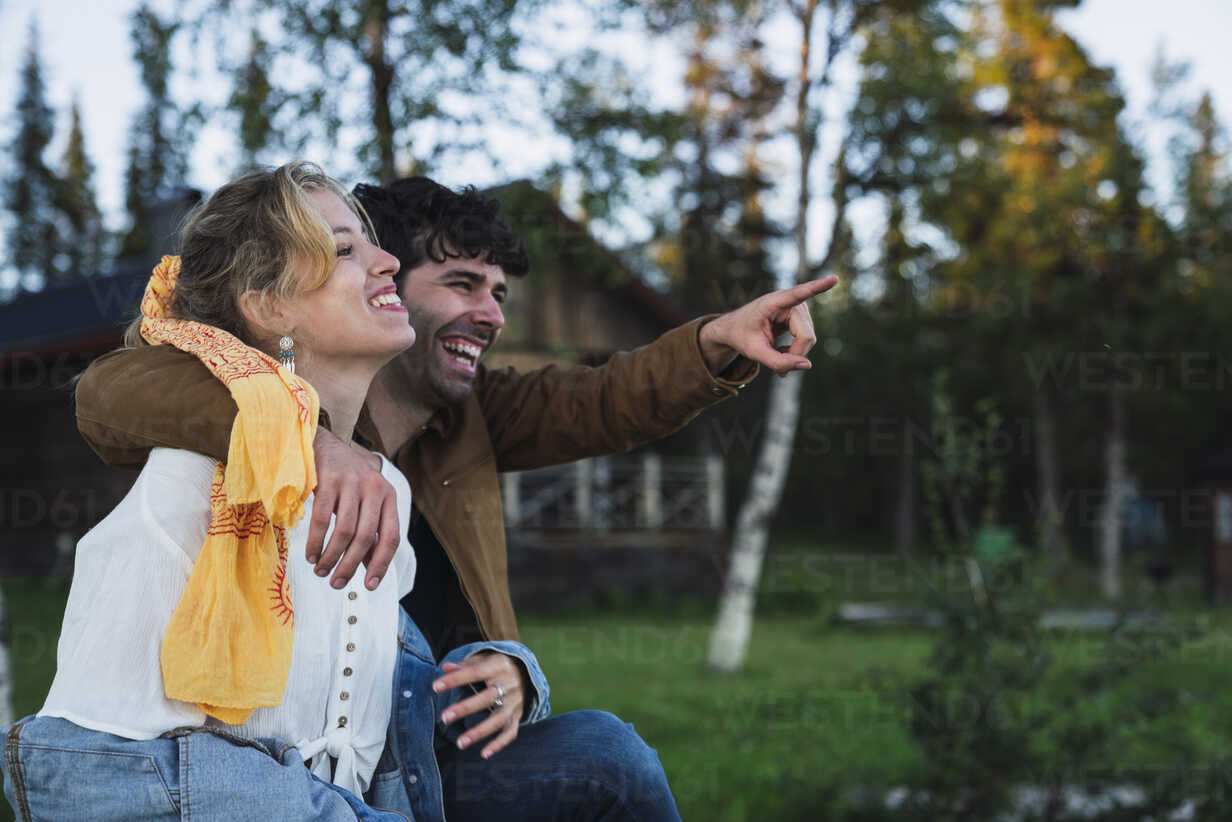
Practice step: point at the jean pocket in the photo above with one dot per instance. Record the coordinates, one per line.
(60, 782)
(384, 779)
(387, 792)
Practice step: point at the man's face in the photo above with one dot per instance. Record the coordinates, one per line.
(455, 309)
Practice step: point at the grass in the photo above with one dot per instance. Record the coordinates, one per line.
(801, 716)
(34, 610)
(815, 713)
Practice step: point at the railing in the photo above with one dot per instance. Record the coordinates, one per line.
(643, 492)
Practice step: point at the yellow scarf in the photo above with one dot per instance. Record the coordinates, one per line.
(228, 645)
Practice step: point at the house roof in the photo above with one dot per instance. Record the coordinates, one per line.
(82, 316)
(557, 242)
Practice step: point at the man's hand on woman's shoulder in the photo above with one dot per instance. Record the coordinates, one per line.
(365, 510)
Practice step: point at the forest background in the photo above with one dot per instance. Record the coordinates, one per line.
(1021, 376)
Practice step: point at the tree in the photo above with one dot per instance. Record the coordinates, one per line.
(732, 119)
(161, 135)
(1041, 205)
(912, 110)
(1189, 311)
(1082, 233)
(83, 236)
(1205, 187)
(418, 65)
(711, 235)
(733, 627)
(31, 189)
(724, 226)
(255, 101)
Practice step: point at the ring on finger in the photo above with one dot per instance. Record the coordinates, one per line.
(499, 702)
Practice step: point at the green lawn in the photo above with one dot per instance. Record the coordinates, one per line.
(814, 714)
(802, 716)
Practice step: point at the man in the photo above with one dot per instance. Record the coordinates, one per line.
(451, 425)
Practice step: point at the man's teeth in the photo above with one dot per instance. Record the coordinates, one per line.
(388, 298)
(470, 351)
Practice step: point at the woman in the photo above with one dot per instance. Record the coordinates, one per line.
(201, 660)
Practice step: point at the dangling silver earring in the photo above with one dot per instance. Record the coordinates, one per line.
(286, 353)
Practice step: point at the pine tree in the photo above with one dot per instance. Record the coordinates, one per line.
(31, 190)
(1205, 185)
(1067, 225)
(83, 236)
(161, 134)
(911, 112)
(255, 101)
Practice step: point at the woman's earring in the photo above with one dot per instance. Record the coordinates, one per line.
(286, 353)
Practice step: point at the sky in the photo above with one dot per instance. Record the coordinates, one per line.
(86, 54)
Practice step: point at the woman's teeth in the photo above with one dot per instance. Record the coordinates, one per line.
(388, 298)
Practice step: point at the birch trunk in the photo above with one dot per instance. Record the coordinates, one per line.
(735, 622)
(734, 625)
(6, 675)
(1116, 480)
(1047, 474)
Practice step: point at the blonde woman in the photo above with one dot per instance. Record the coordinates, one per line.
(202, 664)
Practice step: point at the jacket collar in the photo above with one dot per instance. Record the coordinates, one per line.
(442, 422)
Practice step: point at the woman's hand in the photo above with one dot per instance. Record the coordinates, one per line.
(493, 669)
(364, 505)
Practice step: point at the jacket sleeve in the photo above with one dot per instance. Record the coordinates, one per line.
(556, 415)
(132, 400)
(536, 707)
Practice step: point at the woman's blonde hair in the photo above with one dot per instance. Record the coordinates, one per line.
(259, 232)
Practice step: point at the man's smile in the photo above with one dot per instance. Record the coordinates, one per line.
(462, 351)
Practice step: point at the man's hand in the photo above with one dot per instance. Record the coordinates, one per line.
(752, 329)
(364, 505)
(492, 669)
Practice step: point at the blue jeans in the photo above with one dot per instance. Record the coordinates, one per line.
(55, 770)
(581, 765)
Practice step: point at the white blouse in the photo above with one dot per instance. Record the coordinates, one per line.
(130, 572)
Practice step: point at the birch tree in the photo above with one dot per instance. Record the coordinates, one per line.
(734, 625)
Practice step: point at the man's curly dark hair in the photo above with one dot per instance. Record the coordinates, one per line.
(417, 219)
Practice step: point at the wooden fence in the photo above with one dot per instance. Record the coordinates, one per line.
(646, 492)
(615, 526)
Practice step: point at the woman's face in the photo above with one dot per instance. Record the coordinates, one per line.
(356, 314)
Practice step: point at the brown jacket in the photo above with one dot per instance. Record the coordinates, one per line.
(130, 401)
